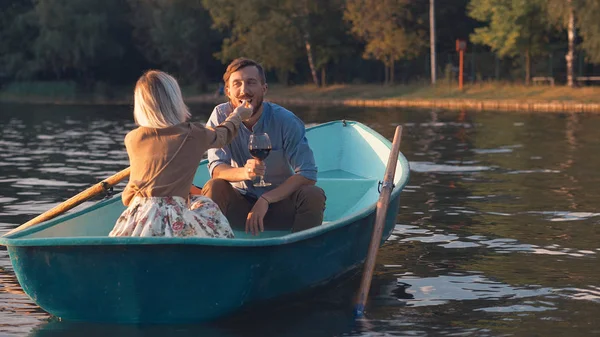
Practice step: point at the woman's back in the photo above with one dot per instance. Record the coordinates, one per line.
(164, 160)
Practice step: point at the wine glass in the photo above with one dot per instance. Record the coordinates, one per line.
(260, 146)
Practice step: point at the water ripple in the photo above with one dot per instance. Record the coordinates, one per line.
(488, 230)
(556, 216)
(591, 294)
(423, 167)
(18, 313)
(408, 233)
(516, 308)
(532, 171)
(442, 289)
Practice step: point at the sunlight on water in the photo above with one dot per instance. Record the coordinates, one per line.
(423, 167)
(493, 151)
(532, 171)
(440, 290)
(516, 308)
(567, 216)
(591, 294)
(452, 241)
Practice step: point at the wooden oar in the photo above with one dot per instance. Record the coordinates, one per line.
(382, 206)
(74, 201)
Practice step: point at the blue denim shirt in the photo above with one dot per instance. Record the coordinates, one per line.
(290, 153)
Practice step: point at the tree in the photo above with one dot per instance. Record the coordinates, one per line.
(383, 26)
(571, 35)
(587, 13)
(515, 27)
(18, 28)
(562, 14)
(574, 15)
(177, 35)
(75, 37)
(273, 32)
(331, 40)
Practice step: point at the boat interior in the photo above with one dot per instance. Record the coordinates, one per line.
(351, 160)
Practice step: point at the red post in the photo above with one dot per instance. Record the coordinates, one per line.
(461, 46)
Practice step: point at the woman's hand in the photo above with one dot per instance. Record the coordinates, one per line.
(244, 111)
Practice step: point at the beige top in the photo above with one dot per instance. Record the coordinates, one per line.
(151, 149)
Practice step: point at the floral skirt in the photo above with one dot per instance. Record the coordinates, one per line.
(172, 216)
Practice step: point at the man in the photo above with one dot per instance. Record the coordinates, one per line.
(292, 201)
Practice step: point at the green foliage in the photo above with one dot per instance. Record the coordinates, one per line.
(587, 13)
(264, 30)
(18, 28)
(276, 33)
(77, 36)
(175, 34)
(113, 41)
(557, 12)
(385, 27)
(330, 39)
(587, 20)
(514, 26)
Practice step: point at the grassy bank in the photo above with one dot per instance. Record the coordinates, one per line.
(484, 91)
(68, 92)
(485, 96)
(63, 92)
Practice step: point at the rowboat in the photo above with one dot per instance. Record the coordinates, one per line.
(73, 270)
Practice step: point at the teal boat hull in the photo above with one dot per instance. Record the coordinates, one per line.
(71, 269)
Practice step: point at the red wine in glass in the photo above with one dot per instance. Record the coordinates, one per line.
(260, 154)
(259, 147)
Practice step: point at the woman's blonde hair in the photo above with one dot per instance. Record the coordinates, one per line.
(158, 102)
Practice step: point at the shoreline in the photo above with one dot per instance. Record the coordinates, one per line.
(492, 97)
(451, 104)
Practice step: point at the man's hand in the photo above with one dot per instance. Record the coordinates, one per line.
(254, 221)
(254, 168)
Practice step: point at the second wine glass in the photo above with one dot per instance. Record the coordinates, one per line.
(259, 147)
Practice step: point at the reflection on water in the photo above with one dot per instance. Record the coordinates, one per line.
(17, 313)
(293, 319)
(497, 235)
(442, 289)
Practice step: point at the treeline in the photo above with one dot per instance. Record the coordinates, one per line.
(298, 41)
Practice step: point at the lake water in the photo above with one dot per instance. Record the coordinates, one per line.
(498, 233)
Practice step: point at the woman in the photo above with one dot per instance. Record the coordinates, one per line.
(164, 153)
